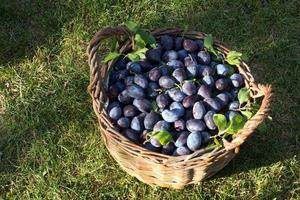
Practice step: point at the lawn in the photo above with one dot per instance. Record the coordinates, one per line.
(50, 146)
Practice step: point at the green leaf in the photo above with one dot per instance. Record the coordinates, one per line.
(110, 56)
(154, 106)
(234, 57)
(216, 141)
(139, 42)
(235, 124)
(164, 137)
(133, 56)
(220, 121)
(208, 44)
(132, 26)
(231, 69)
(243, 95)
(208, 41)
(247, 114)
(148, 39)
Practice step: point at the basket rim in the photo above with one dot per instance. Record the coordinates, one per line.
(257, 91)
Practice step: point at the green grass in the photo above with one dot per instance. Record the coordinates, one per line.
(50, 146)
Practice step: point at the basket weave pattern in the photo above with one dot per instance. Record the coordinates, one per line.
(155, 168)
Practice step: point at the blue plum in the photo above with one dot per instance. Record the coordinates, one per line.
(194, 141)
(193, 125)
(130, 111)
(182, 138)
(123, 97)
(178, 107)
(178, 43)
(176, 95)
(168, 149)
(190, 45)
(143, 105)
(208, 80)
(180, 151)
(155, 142)
(132, 135)
(212, 104)
(189, 101)
(222, 70)
(204, 57)
(182, 54)
(115, 113)
(179, 74)
(205, 137)
(204, 91)
(175, 64)
(161, 125)
(208, 119)
(153, 55)
(154, 74)
(170, 55)
(179, 125)
(162, 101)
(223, 98)
(167, 42)
(199, 110)
(237, 80)
(150, 147)
(137, 124)
(141, 81)
(135, 91)
(171, 115)
(123, 122)
(166, 82)
(134, 67)
(189, 88)
(234, 105)
(221, 84)
(151, 119)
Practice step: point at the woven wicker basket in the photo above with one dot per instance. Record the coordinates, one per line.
(154, 168)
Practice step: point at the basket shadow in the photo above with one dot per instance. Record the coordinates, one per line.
(27, 25)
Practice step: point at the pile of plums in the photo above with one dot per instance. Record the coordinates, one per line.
(177, 88)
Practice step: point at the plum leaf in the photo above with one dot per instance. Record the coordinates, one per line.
(164, 137)
(247, 113)
(208, 44)
(132, 26)
(110, 56)
(243, 95)
(220, 121)
(234, 57)
(235, 124)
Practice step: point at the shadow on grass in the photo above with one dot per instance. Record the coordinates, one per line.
(26, 25)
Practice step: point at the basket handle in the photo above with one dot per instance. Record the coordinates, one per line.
(93, 46)
(252, 123)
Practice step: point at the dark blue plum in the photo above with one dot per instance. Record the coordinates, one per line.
(176, 94)
(223, 99)
(171, 115)
(200, 44)
(175, 64)
(208, 119)
(204, 91)
(167, 42)
(234, 105)
(141, 81)
(189, 88)
(170, 55)
(178, 43)
(124, 98)
(182, 138)
(155, 142)
(130, 111)
(166, 82)
(177, 106)
(190, 61)
(180, 151)
(134, 67)
(123, 122)
(179, 74)
(154, 74)
(193, 125)
(205, 137)
(221, 84)
(179, 125)
(182, 54)
(146, 66)
(209, 81)
(237, 80)
(190, 45)
(168, 149)
(194, 141)
(120, 64)
(161, 125)
(189, 101)
(143, 105)
(199, 110)
(234, 93)
(151, 91)
(137, 125)
(192, 71)
(208, 71)
(120, 85)
(162, 101)
(204, 57)
(222, 70)
(151, 119)
(153, 55)
(112, 105)
(150, 147)
(113, 92)
(165, 70)
(212, 104)
(115, 113)
(132, 135)
(135, 91)
(122, 74)
(129, 80)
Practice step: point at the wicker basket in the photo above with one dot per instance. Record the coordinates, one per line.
(154, 168)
